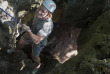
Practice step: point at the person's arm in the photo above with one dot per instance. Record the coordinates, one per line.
(42, 33)
(35, 38)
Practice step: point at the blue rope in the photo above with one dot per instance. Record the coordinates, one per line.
(12, 17)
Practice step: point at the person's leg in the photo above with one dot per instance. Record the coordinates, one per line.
(21, 44)
(36, 49)
(36, 59)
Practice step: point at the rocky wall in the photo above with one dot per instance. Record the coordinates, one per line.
(91, 52)
(7, 26)
(94, 50)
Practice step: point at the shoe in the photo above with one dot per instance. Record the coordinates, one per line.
(10, 50)
(34, 71)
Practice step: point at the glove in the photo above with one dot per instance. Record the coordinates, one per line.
(26, 28)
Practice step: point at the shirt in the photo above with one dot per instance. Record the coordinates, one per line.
(43, 27)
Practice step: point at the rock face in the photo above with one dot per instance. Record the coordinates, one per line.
(65, 42)
(7, 26)
(76, 14)
(17, 63)
(93, 50)
(81, 29)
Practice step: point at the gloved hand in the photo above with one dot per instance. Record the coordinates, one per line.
(26, 28)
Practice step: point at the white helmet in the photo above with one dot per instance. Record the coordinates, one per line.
(50, 5)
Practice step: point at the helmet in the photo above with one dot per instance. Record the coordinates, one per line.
(50, 5)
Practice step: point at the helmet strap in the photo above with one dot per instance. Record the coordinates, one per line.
(45, 17)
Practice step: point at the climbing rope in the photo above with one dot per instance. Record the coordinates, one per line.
(12, 17)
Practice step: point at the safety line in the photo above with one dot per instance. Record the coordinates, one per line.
(12, 17)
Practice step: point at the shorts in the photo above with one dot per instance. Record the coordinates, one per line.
(26, 38)
(36, 48)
